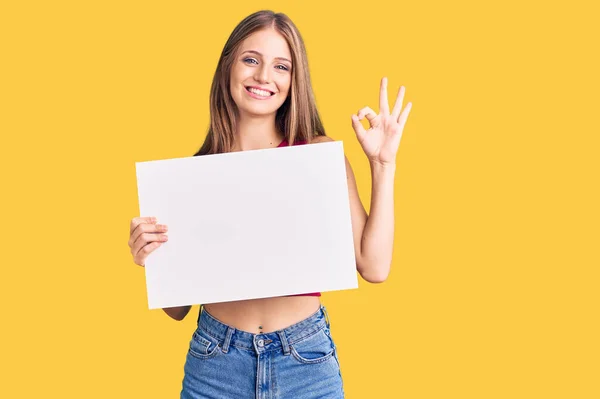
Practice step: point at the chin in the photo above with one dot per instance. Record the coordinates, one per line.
(259, 111)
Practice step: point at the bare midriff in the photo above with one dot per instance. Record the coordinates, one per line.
(264, 315)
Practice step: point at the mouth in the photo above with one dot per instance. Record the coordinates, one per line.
(262, 93)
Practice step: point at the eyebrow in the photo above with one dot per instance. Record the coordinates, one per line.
(257, 53)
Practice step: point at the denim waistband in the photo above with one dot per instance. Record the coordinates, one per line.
(230, 336)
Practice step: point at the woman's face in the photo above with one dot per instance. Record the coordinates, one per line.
(261, 74)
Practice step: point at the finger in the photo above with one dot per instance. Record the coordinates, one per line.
(141, 256)
(399, 101)
(135, 222)
(369, 114)
(139, 246)
(384, 107)
(146, 238)
(146, 228)
(404, 116)
(141, 239)
(358, 128)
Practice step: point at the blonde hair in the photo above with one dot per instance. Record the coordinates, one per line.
(297, 119)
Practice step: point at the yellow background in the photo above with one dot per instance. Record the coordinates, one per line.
(494, 284)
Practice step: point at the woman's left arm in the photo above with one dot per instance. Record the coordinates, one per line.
(374, 234)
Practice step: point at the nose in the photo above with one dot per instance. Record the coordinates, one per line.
(263, 74)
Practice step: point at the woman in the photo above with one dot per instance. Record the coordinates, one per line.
(261, 97)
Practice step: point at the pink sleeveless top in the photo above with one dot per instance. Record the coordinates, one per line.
(284, 143)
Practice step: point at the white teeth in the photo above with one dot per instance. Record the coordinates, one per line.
(261, 93)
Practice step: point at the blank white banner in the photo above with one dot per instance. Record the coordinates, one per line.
(250, 224)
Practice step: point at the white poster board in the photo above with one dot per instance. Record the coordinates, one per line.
(250, 224)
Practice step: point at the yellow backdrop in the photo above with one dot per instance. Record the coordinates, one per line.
(493, 290)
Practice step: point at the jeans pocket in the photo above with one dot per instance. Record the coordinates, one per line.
(314, 349)
(204, 346)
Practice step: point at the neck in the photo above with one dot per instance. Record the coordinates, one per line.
(255, 133)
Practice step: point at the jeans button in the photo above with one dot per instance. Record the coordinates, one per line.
(260, 342)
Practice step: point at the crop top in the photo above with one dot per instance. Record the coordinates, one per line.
(284, 143)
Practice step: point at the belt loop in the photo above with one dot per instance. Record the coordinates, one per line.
(326, 315)
(199, 313)
(230, 331)
(284, 342)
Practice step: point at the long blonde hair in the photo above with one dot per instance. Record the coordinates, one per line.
(297, 119)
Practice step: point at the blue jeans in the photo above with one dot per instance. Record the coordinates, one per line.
(298, 362)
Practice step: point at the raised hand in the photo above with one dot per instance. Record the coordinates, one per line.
(381, 141)
(144, 237)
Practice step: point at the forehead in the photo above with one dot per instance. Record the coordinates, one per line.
(269, 42)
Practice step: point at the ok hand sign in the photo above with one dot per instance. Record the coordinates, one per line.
(381, 141)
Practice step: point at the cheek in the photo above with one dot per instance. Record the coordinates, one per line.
(233, 91)
(284, 85)
(236, 77)
(235, 83)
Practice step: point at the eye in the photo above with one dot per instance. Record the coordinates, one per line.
(283, 67)
(250, 59)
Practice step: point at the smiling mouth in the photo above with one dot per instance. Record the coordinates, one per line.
(259, 92)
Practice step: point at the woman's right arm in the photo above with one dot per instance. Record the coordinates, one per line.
(144, 237)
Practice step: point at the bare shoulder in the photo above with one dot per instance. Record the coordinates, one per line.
(321, 139)
(326, 139)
